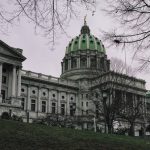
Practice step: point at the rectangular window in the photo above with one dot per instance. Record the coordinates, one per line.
(82, 112)
(87, 112)
(53, 108)
(82, 103)
(87, 104)
(4, 79)
(32, 105)
(22, 103)
(71, 111)
(3, 95)
(43, 106)
(82, 96)
(87, 95)
(66, 64)
(62, 109)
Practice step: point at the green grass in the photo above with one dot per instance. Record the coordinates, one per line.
(22, 136)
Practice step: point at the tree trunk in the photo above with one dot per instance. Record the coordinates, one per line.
(109, 129)
(131, 130)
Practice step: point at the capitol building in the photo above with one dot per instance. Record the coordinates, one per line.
(85, 78)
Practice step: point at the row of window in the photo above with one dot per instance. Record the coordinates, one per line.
(86, 95)
(85, 112)
(96, 95)
(44, 94)
(83, 41)
(83, 63)
(53, 107)
(86, 104)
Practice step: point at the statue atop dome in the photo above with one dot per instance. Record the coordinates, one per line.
(85, 29)
(85, 20)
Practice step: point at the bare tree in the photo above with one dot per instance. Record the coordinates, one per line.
(107, 94)
(52, 16)
(119, 66)
(131, 111)
(134, 18)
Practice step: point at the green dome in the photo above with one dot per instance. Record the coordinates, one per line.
(85, 41)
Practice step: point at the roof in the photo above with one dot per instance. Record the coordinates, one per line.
(17, 51)
(85, 41)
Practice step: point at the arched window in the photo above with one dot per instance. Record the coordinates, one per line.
(102, 63)
(73, 62)
(83, 62)
(66, 64)
(93, 62)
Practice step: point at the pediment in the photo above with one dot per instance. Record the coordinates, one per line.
(10, 52)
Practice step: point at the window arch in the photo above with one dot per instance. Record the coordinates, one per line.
(93, 62)
(66, 64)
(73, 62)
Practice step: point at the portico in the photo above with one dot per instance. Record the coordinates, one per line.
(10, 74)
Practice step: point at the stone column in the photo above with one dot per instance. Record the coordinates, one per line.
(28, 99)
(14, 81)
(1, 71)
(49, 102)
(38, 107)
(78, 104)
(97, 62)
(68, 105)
(19, 82)
(88, 61)
(58, 102)
(78, 62)
(63, 67)
(69, 63)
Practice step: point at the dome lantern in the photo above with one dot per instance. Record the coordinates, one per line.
(85, 29)
(85, 41)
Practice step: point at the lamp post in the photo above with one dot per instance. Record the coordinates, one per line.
(104, 97)
(94, 121)
(74, 108)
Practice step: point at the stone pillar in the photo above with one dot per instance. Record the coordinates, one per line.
(78, 104)
(98, 62)
(19, 82)
(28, 99)
(1, 71)
(88, 61)
(38, 107)
(78, 62)
(68, 104)
(14, 82)
(58, 102)
(63, 67)
(49, 102)
(69, 63)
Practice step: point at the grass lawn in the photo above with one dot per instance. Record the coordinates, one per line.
(22, 136)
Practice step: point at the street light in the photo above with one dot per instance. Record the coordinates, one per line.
(104, 94)
(104, 97)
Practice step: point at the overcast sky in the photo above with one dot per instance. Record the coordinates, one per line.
(41, 58)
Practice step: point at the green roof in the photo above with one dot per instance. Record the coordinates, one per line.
(85, 41)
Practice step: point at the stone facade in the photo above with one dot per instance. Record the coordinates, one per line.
(35, 95)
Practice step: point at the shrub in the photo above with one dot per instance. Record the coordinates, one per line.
(16, 118)
(5, 115)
